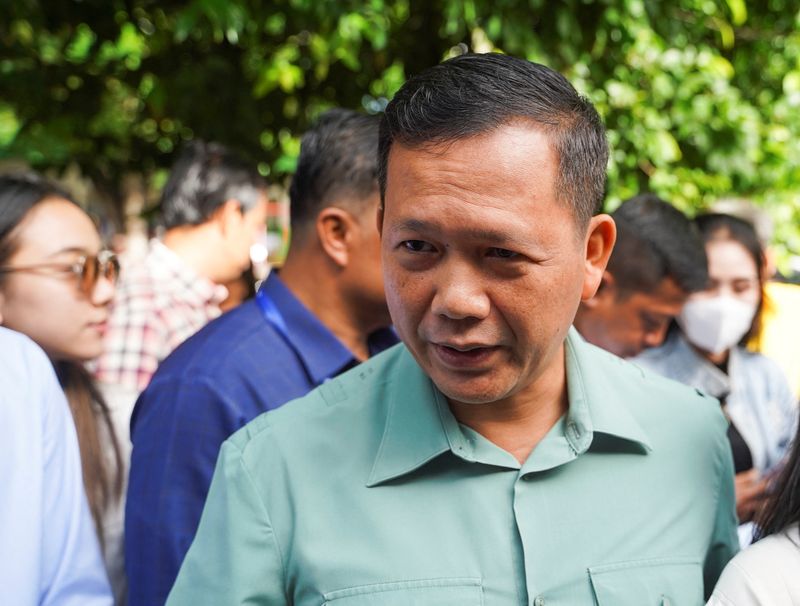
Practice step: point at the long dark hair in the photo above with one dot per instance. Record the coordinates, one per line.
(103, 484)
(782, 509)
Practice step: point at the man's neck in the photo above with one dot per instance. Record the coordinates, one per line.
(315, 284)
(518, 423)
(190, 246)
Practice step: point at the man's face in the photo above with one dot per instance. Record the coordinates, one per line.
(249, 226)
(483, 265)
(626, 324)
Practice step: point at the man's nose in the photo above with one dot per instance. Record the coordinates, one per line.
(460, 294)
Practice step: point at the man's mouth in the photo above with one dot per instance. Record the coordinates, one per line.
(463, 355)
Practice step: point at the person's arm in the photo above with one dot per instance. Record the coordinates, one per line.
(235, 557)
(48, 547)
(177, 429)
(724, 538)
(747, 581)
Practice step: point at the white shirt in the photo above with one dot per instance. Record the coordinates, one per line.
(765, 574)
(49, 553)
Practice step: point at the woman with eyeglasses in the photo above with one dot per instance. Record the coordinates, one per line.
(707, 352)
(56, 284)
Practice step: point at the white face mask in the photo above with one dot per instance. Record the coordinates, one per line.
(716, 324)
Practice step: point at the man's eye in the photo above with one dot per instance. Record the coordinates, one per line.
(501, 253)
(416, 246)
(652, 324)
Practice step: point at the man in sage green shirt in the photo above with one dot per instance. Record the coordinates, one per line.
(494, 458)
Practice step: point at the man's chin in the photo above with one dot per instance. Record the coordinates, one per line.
(462, 394)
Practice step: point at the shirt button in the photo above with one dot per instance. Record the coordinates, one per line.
(539, 601)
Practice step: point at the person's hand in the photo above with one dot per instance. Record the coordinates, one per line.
(751, 491)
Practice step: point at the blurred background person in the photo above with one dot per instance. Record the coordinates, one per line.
(213, 209)
(56, 285)
(48, 545)
(321, 314)
(708, 352)
(778, 336)
(766, 574)
(657, 262)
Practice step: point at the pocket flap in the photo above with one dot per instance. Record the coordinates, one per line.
(675, 581)
(423, 592)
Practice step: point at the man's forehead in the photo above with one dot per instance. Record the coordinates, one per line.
(513, 161)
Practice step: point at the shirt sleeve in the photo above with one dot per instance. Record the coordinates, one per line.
(177, 429)
(235, 557)
(724, 539)
(72, 562)
(48, 547)
(737, 587)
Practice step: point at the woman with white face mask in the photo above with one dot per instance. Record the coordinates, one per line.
(706, 350)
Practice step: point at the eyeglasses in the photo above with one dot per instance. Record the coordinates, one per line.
(88, 268)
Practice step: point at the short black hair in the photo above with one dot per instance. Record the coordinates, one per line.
(716, 227)
(205, 176)
(337, 165)
(473, 94)
(656, 241)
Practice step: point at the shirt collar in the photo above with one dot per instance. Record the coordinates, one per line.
(598, 401)
(322, 353)
(181, 279)
(414, 432)
(419, 427)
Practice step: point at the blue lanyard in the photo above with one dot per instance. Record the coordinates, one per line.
(272, 315)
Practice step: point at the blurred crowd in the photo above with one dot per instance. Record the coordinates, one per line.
(101, 504)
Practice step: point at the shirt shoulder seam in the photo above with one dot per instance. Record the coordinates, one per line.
(252, 482)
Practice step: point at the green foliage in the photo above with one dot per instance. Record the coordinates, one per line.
(700, 97)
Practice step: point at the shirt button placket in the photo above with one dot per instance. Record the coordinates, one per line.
(538, 601)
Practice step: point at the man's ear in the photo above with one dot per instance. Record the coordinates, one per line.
(606, 292)
(335, 231)
(228, 216)
(600, 238)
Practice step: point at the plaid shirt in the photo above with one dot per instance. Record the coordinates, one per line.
(159, 303)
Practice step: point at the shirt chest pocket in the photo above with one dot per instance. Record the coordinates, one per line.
(425, 592)
(657, 582)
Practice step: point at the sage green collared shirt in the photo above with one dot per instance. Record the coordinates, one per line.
(369, 492)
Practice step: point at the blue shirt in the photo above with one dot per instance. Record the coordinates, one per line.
(49, 552)
(237, 367)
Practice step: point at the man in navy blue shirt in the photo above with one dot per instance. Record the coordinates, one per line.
(323, 315)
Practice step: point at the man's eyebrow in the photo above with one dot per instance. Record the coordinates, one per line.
(486, 235)
(416, 225)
